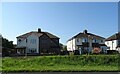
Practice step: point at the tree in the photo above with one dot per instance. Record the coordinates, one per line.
(7, 47)
(6, 43)
(61, 46)
(65, 48)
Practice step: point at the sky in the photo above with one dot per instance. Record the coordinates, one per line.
(63, 19)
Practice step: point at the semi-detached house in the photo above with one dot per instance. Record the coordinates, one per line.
(113, 42)
(37, 42)
(85, 41)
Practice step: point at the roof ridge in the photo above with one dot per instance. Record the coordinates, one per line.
(29, 33)
(114, 37)
(85, 34)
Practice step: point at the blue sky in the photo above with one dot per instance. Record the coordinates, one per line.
(63, 19)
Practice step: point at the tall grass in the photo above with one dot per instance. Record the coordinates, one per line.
(62, 63)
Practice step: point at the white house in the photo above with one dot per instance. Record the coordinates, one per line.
(113, 42)
(36, 42)
(86, 42)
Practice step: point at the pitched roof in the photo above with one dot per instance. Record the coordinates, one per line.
(115, 36)
(51, 35)
(86, 35)
(37, 33)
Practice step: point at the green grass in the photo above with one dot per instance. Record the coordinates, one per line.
(61, 63)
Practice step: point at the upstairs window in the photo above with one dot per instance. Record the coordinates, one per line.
(101, 40)
(77, 39)
(112, 41)
(84, 40)
(118, 42)
(32, 50)
(94, 40)
(19, 40)
(26, 40)
(33, 41)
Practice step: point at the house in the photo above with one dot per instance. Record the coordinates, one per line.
(113, 42)
(86, 42)
(37, 42)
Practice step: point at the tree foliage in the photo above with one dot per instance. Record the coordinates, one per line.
(7, 47)
(7, 44)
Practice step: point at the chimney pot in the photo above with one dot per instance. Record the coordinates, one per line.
(39, 30)
(85, 31)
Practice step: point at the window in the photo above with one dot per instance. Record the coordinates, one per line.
(32, 50)
(77, 40)
(101, 40)
(118, 42)
(19, 40)
(112, 41)
(26, 40)
(108, 47)
(33, 41)
(94, 40)
(84, 40)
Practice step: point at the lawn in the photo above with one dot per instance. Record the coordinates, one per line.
(61, 63)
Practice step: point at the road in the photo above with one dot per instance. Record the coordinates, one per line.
(66, 73)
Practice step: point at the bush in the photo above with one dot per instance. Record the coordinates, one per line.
(76, 52)
(64, 52)
(96, 50)
(112, 52)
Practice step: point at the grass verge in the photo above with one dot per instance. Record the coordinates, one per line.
(91, 63)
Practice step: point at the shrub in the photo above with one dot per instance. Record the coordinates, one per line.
(112, 52)
(76, 52)
(96, 50)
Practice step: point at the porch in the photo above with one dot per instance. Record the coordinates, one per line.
(20, 50)
(83, 49)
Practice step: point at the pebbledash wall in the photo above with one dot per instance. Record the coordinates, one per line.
(71, 45)
(31, 42)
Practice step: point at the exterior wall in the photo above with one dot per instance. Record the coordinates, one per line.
(111, 44)
(48, 45)
(56, 40)
(78, 41)
(74, 43)
(90, 44)
(32, 43)
(118, 49)
(71, 45)
(21, 43)
(28, 44)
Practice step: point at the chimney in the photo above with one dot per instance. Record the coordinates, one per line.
(85, 31)
(39, 30)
